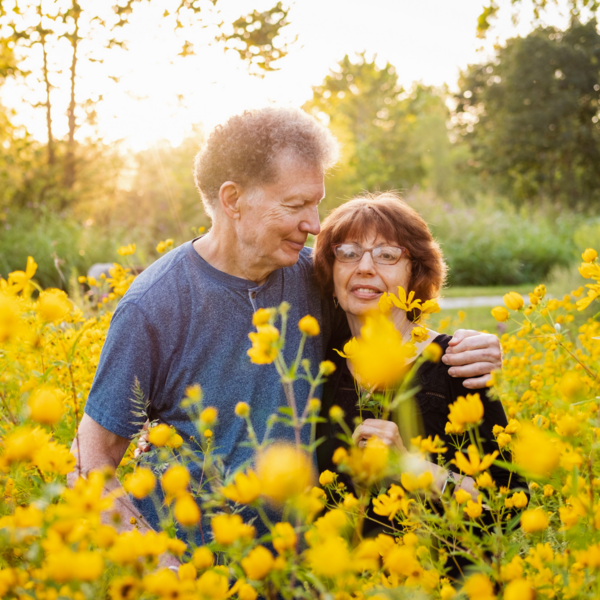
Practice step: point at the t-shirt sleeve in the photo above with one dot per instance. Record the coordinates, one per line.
(130, 352)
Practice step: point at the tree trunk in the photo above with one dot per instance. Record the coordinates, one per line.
(70, 158)
(51, 156)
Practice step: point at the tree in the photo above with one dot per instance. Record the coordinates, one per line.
(577, 9)
(531, 114)
(392, 138)
(93, 28)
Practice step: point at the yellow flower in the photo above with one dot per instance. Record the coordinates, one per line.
(327, 367)
(247, 592)
(572, 386)
(66, 565)
(326, 478)
(534, 520)
(19, 281)
(535, 452)
(474, 509)
(283, 471)
(429, 445)
(126, 250)
(53, 305)
(366, 465)
(419, 334)
(160, 435)
(175, 480)
(46, 406)
(258, 564)
(209, 415)
(548, 490)
(590, 255)
(382, 357)
(242, 409)
(513, 300)
(284, 537)
(211, 585)
(229, 528)
(262, 316)
(202, 558)
(140, 483)
(350, 501)
(329, 558)
(466, 411)
(401, 560)
(503, 439)
(433, 353)
(485, 481)
(479, 587)
(412, 482)
(447, 592)
(244, 490)
(474, 465)
(124, 588)
(309, 326)
(10, 321)
(350, 349)
(500, 313)
(314, 405)
(461, 496)
(517, 500)
(207, 433)
(186, 510)
(264, 345)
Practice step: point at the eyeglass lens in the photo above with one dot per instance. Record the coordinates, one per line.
(383, 255)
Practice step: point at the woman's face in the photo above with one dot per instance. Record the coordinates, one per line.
(358, 286)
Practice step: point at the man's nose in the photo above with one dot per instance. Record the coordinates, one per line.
(311, 222)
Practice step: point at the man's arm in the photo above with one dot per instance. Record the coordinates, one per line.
(475, 355)
(96, 448)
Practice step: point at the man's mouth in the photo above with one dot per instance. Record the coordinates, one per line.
(295, 245)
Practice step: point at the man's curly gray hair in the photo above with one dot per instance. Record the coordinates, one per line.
(245, 149)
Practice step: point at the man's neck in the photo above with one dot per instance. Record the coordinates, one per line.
(223, 252)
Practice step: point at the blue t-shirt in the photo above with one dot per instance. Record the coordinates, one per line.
(184, 322)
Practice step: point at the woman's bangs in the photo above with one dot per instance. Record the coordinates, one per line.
(363, 225)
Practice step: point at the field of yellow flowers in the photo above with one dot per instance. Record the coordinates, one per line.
(54, 542)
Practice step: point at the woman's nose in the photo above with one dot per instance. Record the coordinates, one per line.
(365, 264)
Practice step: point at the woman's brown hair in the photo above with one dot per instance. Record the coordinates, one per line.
(387, 215)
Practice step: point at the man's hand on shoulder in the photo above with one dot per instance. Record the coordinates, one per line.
(473, 355)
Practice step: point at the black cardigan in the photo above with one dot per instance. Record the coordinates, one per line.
(437, 391)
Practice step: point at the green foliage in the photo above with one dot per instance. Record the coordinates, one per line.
(60, 246)
(490, 242)
(392, 138)
(530, 116)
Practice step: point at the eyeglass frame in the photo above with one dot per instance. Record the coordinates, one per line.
(370, 251)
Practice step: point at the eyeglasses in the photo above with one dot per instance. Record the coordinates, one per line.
(381, 255)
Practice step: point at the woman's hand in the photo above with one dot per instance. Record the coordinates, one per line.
(386, 431)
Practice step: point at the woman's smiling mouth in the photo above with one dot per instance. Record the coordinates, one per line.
(366, 292)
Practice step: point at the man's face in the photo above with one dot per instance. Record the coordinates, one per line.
(277, 217)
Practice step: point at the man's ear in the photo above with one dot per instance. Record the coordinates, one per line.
(229, 197)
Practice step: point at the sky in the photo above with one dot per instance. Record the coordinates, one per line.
(159, 95)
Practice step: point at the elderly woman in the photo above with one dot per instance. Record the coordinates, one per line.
(367, 247)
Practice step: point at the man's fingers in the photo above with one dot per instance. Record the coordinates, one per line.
(477, 383)
(461, 334)
(473, 356)
(477, 369)
(473, 342)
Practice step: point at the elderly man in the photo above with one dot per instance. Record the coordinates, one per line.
(186, 319)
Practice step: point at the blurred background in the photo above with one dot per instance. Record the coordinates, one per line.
(484, 115)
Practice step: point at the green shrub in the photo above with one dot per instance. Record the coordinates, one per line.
(488, 242)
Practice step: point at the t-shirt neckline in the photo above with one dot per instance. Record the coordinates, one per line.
(230, 281)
